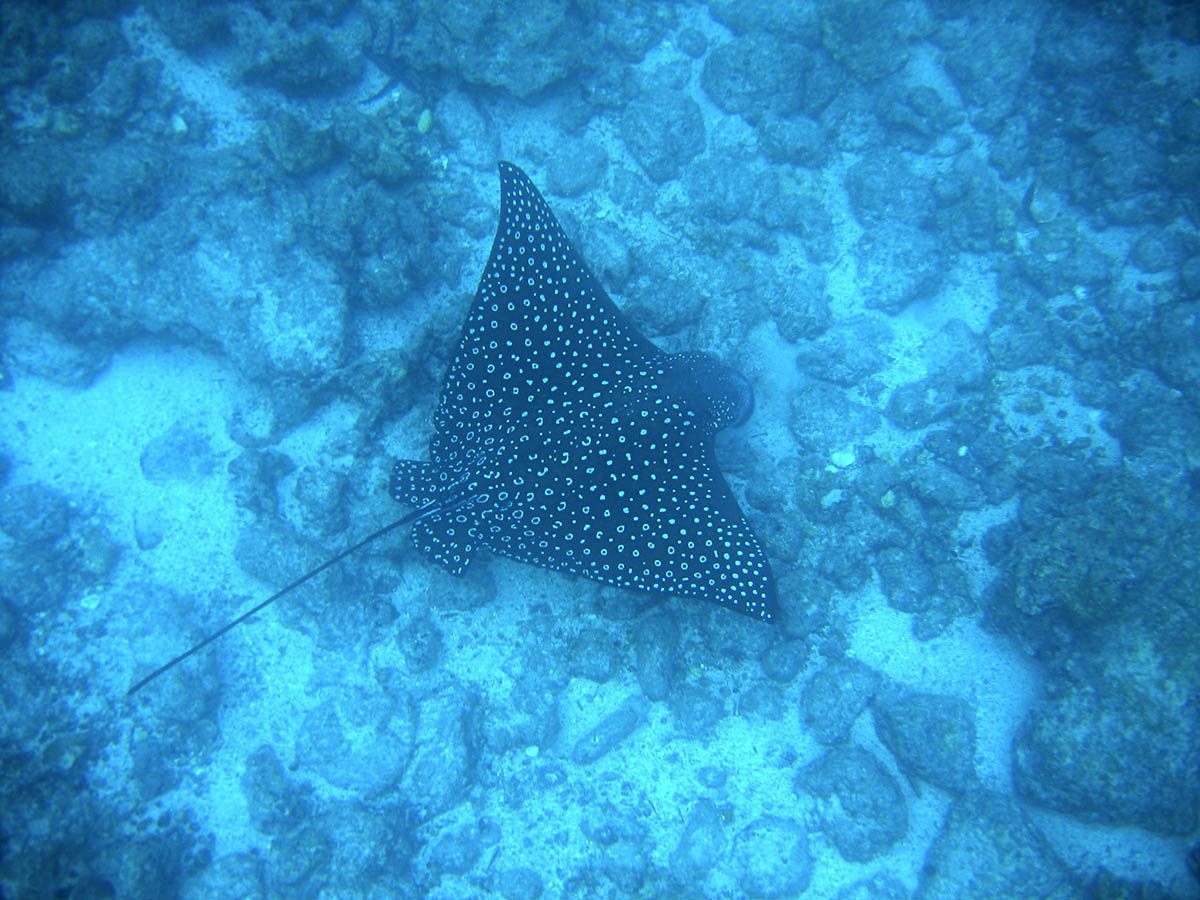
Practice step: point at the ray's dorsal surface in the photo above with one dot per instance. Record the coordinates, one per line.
(567, 440)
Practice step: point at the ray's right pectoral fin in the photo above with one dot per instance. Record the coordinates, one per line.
(446, 539)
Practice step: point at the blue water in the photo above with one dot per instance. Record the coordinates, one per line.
(953, 249)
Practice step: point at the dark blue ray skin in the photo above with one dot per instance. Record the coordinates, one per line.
(563, 438)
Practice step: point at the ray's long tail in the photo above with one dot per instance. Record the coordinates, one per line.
(413, 516)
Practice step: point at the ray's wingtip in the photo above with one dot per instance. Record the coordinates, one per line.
(771, 608)
(511, 173)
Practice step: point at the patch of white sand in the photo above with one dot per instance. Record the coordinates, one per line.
(964, 662)
(88, 443)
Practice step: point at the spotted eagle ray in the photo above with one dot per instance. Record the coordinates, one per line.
(565, 439)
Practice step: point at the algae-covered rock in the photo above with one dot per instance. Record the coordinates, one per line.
(594, 655)
(753, 75)
(444, 752)
(360, 741)
(836, 696)
(866, 36)
(988, 847)
(298, 147)
(897, 264)
(610, 731)
(663, 130)
(58, 553)
(931, 736)
(885, 190)
(655, 646)
(862, 809)
(523, 48)
(825, 418)
(700, 845)
(575, 167)
(1122, 747)
(773, 858)
(302, 64)
(276, 802)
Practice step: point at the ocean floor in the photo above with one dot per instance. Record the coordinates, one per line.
(238, 243)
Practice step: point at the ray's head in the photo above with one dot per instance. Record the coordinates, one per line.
(717, 393)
